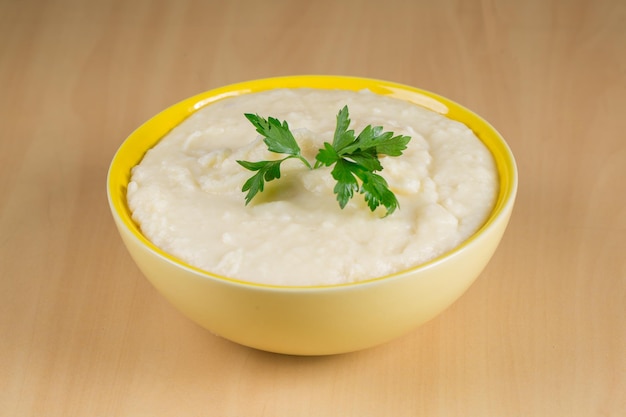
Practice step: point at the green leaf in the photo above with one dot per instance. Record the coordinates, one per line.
(253, 185)
(368, 160)
(368, 139)
(266, 171)
(327, 156)
(277, 136)
(393, 146)
(377, 192)
(346, 182)
(343, 137)
(252, 166)
(272, 170)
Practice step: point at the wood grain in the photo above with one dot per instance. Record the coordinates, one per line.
(542, 332)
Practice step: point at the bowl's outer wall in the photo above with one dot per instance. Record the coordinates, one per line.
(316, 320)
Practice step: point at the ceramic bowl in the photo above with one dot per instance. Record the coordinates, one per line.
(316, 320)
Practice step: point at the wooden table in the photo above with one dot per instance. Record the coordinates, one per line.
(541, 333)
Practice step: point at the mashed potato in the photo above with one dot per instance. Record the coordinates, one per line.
(186, 192)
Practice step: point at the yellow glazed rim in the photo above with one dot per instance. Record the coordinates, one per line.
(147, 135)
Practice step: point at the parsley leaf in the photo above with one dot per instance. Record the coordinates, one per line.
(355, 159)
(343, 136)
(277, 136)
(266, 171)
(343, 173)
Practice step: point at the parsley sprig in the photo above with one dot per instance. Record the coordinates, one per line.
(278, 139)
(355, 159)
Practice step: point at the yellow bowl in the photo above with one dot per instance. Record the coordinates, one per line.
(315, 320)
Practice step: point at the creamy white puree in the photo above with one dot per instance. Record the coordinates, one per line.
(186, 192)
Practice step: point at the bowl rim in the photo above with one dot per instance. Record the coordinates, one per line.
(134, 147)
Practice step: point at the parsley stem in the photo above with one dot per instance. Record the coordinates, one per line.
(304, 160)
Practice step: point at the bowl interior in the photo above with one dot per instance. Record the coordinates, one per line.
(147, 135)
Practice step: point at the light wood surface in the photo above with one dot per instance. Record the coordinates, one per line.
(541, 333)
